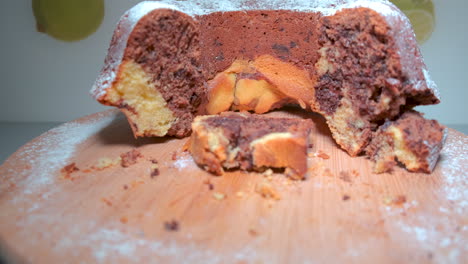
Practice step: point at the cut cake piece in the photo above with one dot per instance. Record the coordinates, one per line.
(412, 140)
(250, 142)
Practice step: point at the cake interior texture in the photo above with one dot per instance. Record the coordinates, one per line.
(411, 140)
(348, 67)
(250, 142)
(359, 67)
(165, 62)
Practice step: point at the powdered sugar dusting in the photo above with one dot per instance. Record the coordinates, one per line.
(454, 161)
(442, 232)
(52, 151)
(430, 83)
(436, 237)
(440, 237)
(183, 162)
(107, 243)
(113, 244)
(382, 7)
(326, 7)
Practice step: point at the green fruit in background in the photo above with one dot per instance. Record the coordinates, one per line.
(68, 20)
(421, 14)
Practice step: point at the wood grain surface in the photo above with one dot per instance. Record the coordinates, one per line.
(343, 213)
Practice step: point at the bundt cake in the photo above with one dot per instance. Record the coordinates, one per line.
(250, 142)
(355, 62)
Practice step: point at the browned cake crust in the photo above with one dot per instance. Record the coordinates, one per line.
(413, 141)
(250, 142)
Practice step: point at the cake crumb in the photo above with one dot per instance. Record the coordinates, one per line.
(105, 162)
(172, 225)
(268, 172)
(130, 158)
(253, 232)
(106, 201)
(344, 176)
(346, 197)
(315, 168)
(290, 173)
(219, 196)
(174, 155)
(327, 172)
(240, 194)
(136, 183)
(68, 170)
(186, 145)
(209, 184)
(387, 200)
(398, 200)
(123, 220)
(154, 170)
(267, 191)
(321, 154)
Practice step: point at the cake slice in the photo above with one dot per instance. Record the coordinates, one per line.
(250, 142)
(153, 71)
(355, 62)
(413, 141)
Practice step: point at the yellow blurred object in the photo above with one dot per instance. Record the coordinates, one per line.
(421, 14)
(68, 20)
(423, 24)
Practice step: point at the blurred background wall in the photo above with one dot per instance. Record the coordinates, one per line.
(46, 80)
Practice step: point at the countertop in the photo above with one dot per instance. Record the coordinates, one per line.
(16, 134)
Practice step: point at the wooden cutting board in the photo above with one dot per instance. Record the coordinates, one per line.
(343, 213)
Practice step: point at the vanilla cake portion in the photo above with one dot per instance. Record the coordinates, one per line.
(413, 141)
(152, 71)
(355, 62)
(234, 140)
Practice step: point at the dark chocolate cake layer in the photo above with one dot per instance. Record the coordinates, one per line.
(250, 142)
